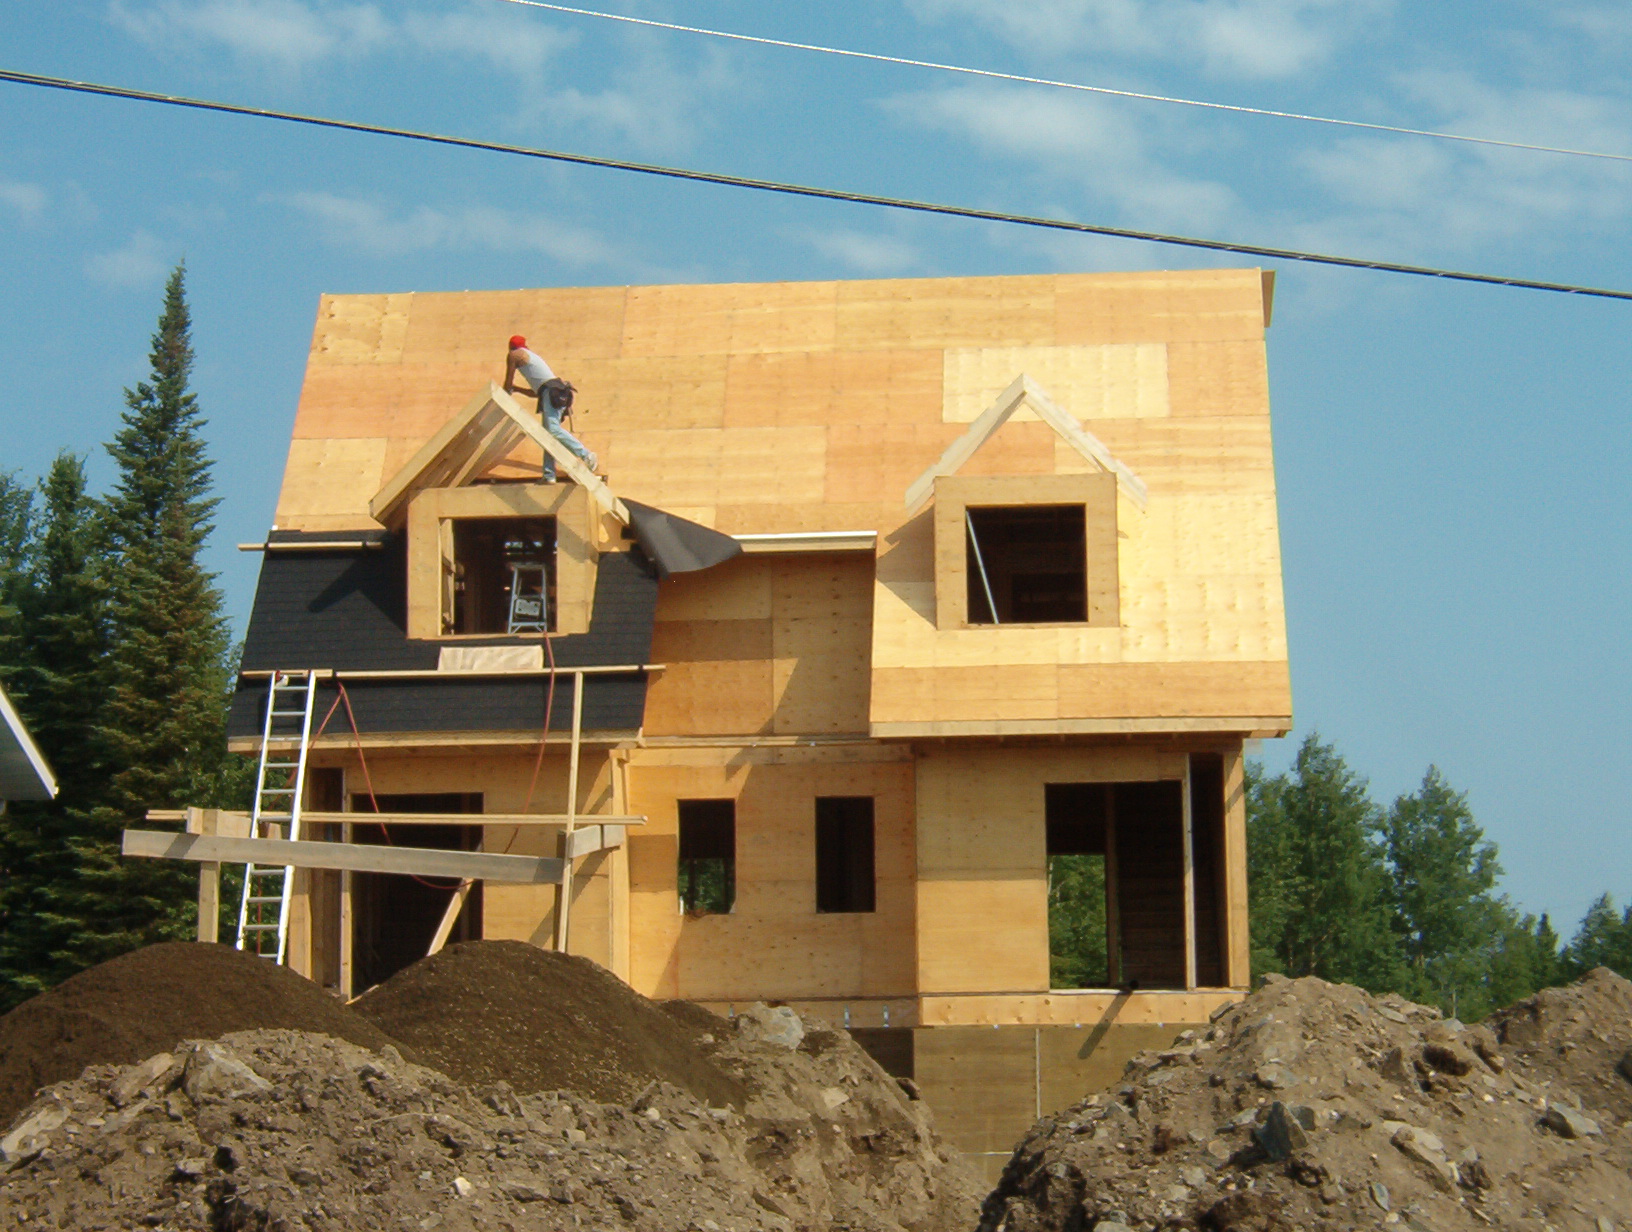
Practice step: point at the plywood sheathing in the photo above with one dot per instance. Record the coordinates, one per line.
(808, 407)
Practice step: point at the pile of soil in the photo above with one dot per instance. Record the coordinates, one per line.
(1311, 1105)
(284, 1131)
(1576, 1036)
(150, 1000)
(505, 1011)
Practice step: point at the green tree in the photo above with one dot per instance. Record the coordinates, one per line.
(63, 683)
(16, 526)
(162, 733)
(1447, 918)
(1603, 940)
(1076, 922)
(1316, 878)
(1523, 960)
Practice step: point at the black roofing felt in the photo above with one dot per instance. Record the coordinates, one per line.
(347, 610)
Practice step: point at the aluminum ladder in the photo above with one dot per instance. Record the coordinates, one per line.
(280, 781)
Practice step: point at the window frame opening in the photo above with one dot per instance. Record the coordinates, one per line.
(485, 559)
(706, 856)
(846, 873)
(1079, 852)
(1026, 564)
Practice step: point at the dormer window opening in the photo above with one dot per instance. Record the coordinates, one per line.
(504, 575)
(1026, 564)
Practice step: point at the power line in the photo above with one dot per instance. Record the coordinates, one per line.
(996, 75)
(804, 190)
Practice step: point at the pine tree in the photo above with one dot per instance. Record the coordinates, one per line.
(16, 523)
(62, 682)
(1603, 940)
(163, 729)
(1523, 961)
(1315, 874)
(1447, 918)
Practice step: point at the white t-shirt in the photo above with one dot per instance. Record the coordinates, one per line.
(534, 371)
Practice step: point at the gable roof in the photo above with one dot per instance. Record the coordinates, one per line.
(469, 445)
(1023, 391)
(24, 774)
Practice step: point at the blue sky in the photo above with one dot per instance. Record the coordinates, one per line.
(1451, 458)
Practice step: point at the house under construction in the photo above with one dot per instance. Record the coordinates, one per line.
(895, 599)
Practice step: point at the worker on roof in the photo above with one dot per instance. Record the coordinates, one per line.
(554, 400)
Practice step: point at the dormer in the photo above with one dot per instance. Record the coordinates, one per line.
(1027, 550)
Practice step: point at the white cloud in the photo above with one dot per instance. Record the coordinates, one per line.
(367, 227)
(649, 102)
(864, 253)
(1240, 38)
(1088, 143)
(1441, 196)
(289, 33)
(29, 200)
(138, 263)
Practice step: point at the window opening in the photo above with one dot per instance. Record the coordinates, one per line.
(844, 854)
(1080, 936)
(395, 916)
(503, 575)
(1026, 564)
(708, 856)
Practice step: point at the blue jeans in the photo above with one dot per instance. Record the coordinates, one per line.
(552, 425)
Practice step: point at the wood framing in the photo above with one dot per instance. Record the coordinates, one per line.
(351, 857)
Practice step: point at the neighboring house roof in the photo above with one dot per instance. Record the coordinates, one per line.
(24, 774)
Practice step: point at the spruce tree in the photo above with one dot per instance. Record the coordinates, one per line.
(1603, 940)
(162, 733)
(62, 682)
(16, 519)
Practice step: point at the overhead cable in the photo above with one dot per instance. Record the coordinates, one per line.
(997, 75)
(805, 190)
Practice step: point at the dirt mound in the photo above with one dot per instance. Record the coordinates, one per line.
(280, 1131)
(1315, 1105)
(149, 1001)
(1579, 1036)
(505, 1011)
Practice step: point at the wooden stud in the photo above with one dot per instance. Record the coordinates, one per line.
(563, 911)
(1238, 938)
(444, 929)
(1187, 821)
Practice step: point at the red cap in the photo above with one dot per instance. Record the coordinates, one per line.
(518, 343)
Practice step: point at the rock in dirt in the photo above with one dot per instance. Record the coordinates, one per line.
(331, 1136)
(1408, 1121)
(1569, 1122)
(148, 1001)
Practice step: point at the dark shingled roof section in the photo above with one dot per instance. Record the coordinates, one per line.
(347, 610)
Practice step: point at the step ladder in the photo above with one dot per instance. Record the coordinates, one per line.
(529, 597)
(280, 781)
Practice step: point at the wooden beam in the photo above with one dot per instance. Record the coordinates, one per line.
(962, 449)
(232, 824)
(355, 857)
(565, 459)
(1188, 815)
(392, 499)
(1238, 936)
(450, 917)
(586, 840)
(348, 930)
(209, 879)
(564, 910)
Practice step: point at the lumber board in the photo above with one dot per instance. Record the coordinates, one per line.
(351, 857)
(1070, 1007)
(233, 823)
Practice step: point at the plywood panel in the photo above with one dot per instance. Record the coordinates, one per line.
(877, 461)
(731, 318)
(1176, 689)
(1016, 448)
(718, 678)
(330, 478)
(946, 312)
(978, 935)
(673, 392)
(360, 329)
(560, 324)
(740, 589)
(732, 958)
(1158, 307)
(1115, 381)
(1014, 691)
(1218, 378)
(697, 466)
(826, 387)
